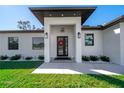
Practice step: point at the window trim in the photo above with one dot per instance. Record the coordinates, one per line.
(32, 43)
(92, 39)
(9, 43)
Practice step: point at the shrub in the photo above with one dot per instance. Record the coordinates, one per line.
(41, 57)
(15, 57)
(94, 58)
(105, 58)
(85, 58)
(28, 58)
(4, 57)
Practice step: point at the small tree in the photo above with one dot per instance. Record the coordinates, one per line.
(26, 25)
(34, 27)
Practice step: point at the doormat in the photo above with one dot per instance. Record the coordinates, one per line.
(63, 58)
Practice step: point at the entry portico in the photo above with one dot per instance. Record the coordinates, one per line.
(66, 22)
(75, 21)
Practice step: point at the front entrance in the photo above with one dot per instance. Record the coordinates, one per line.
(62, 46)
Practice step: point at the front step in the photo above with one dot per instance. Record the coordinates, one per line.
(62, 58)
(62, 61)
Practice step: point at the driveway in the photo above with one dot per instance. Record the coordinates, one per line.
(79, 68)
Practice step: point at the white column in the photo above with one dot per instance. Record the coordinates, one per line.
(47, 43)
(78, 43)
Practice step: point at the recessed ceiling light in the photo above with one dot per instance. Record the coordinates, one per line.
(62, 15)
(74, 14)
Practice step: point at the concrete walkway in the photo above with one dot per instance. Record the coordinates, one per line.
(79, 68)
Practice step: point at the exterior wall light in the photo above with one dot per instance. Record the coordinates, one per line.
(79, 35)
(46, 35)
(62, 29)
(74, 14)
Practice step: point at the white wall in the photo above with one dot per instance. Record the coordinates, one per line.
(68, 31)
(122, 42)
(97, 49)
(111, 43)
(25, 44)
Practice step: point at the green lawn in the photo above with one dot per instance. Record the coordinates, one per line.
(18, 75)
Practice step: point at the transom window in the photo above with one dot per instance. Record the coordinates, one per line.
(13, 43)
(37, 43)
(89, 39)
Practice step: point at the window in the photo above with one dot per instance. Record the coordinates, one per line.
(13, 43)
(89, 39)
(37, 43)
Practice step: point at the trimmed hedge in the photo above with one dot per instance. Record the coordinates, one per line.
(94, 58)
(85, 58)
(4, 57)
(41, 57)
(28, 58)
(105, 58)
(15, 57)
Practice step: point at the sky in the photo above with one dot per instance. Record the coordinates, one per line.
(9, 15)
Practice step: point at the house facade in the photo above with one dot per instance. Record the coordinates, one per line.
(65, 36)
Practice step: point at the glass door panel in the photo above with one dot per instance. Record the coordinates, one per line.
(62, 46)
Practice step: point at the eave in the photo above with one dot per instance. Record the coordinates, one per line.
(83, 12)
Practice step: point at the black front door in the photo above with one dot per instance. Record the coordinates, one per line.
(62, 46)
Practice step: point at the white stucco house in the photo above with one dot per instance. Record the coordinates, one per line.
(64, 35)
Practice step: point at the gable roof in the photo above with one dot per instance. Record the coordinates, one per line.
(102, 27)
(114, 22)
(41, 12)
(91, 27)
